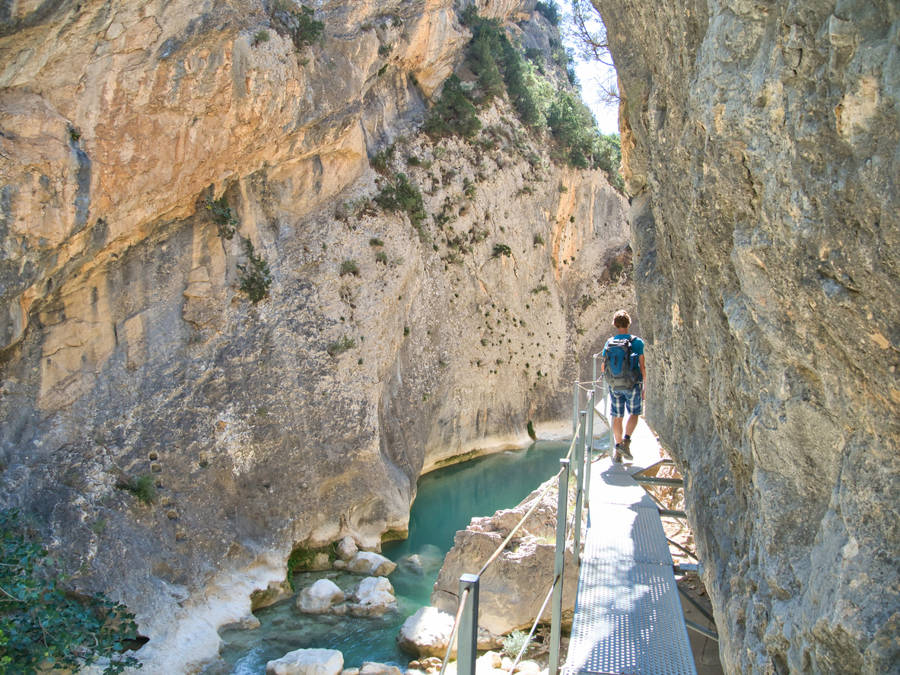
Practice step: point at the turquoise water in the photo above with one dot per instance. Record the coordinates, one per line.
(446, 501)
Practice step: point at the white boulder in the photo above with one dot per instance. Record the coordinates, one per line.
(320, 597)
(426, 632)
(372, 564)
(375, 596)
(307, 662)
(374, 668)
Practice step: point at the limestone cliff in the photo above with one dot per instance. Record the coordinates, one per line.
(761, 142)
(156, 155)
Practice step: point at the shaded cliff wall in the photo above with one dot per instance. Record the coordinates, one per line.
(129, 350)
(761, 147)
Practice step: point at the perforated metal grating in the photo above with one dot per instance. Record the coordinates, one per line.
(628, 616)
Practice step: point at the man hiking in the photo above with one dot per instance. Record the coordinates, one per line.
(622, 363)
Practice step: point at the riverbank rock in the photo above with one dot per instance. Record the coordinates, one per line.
(347, 548)
(374, 597)
(375, 668)
(514, 587)
(373, 564)
(307, 662)
(427, 632)
(320, 597)
(274, 592)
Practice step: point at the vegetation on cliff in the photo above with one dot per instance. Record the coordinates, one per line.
(541, 103)
(45, 626)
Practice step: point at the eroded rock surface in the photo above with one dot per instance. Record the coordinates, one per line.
(761, 144)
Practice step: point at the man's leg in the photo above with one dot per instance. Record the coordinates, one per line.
(630, 424)
(617, 428)
(635, 406)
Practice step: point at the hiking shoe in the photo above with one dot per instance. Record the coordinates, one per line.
(617, 455)
(626, 448)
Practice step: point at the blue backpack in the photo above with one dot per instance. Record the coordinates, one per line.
(622, 369)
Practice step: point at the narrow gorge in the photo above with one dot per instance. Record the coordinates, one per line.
(265, 263)
(247, 301)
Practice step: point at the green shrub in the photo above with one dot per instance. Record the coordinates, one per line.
(381, 161)
(513, 643)
(453, 114)
(222, 216)
(381, 257)
(259, 37)
(298, 23)
(550, 11)
(501, 250)
(375, 242)
(141, 487)
(349, 266)
(45, 627)
(255, 277)
(482, 60)
(541, 288)
(340, 346)
(401, 195)
(302, 559)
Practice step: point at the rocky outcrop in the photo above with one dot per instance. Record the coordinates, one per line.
(154, 157)
(761, 146)
(513, 589)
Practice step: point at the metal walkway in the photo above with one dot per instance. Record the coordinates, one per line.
(628, 616)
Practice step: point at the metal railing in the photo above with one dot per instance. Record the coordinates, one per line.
(465, 624)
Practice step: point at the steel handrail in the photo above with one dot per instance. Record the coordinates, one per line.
(502, 547)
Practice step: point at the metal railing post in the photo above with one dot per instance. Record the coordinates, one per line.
(592, 398)
(558, 566)
(579, 486)
(467, 643)
(575, 408)
(607, 410)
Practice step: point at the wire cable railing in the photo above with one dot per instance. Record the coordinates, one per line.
(579, 458)
(465, 624)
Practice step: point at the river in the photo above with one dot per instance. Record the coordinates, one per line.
(446, 501)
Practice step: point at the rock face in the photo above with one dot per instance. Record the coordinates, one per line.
(155, 154)
(514, 587)
(761, 146)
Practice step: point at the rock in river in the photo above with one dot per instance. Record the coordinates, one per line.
(320, 597)
(373, 564)
(307, 662)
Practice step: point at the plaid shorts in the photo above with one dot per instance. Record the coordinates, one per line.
(630, 399)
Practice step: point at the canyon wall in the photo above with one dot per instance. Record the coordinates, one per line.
(155, 158)
(761, 144)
